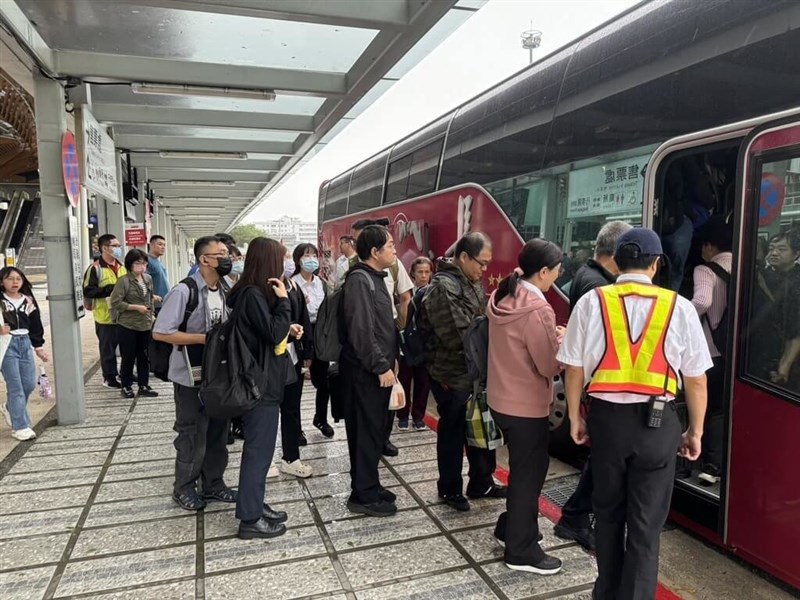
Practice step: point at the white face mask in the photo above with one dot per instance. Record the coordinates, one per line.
(288, 268)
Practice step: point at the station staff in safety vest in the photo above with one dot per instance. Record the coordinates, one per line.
(632, 343)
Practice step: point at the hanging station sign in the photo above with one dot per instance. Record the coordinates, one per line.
(100, 161)
(606, 189)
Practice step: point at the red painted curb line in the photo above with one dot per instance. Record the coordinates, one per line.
(551, 511)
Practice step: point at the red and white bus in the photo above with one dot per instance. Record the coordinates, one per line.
(672, 111)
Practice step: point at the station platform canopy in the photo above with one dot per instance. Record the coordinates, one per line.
(222, 100)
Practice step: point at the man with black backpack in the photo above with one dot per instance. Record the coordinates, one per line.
(190, 310)
(710, 298)
(454, 298)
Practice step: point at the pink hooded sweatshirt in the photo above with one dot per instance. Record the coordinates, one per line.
(522, 354)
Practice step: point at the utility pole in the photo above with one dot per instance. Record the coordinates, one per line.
(531, 39)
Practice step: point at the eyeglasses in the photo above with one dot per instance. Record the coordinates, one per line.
(141, 263)
(483, 263)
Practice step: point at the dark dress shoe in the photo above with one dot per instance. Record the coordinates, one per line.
(386, 495)
(324, 428)
(276, 516)
(373, 509)
(583, 535)
(223, 494)
(262, 528)
(494, 491)
(302, 441)
(456, 501)
(389, 449)
(189, 500)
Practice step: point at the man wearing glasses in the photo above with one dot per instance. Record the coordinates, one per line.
(201, 442)
(98, 283)
(454, 298)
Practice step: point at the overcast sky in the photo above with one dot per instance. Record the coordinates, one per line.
(482, 52)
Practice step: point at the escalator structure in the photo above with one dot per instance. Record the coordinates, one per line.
(21, 228)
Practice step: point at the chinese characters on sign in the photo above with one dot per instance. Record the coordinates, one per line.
(135, 235)
(77, 272)
(606, 189)
(100, 166)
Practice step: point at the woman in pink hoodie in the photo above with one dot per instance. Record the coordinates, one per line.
(523, 342)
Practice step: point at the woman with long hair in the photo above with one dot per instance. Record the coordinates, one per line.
(523, 342)
(261, 305)
(22, 320)
(306, 267)
(134, 301)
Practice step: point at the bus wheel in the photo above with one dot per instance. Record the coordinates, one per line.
(560, 441)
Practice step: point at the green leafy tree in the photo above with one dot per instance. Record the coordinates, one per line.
(244, 233)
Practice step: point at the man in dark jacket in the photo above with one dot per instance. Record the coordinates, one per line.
(597, 272)
(367, 368)
(448, 308)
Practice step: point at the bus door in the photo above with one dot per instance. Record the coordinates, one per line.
(763, 483)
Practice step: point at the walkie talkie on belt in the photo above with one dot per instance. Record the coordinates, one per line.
(655, 408)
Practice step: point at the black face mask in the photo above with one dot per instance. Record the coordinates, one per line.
(224, 266)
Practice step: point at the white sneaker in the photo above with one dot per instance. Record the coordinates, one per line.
(273, 471)
(296, 468)
(23, 435)
(6, 414)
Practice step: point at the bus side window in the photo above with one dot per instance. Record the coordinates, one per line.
(772, 325)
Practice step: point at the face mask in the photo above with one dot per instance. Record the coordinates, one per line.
(224, 266)
(238, 268)
(117, 251)
(288, 268)
(309, 264)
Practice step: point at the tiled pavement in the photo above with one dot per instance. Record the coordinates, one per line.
(86, 513)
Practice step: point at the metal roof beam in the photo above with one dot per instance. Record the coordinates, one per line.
(25, 33)
(134, 141)
(203, 175)
(160, 115)
(153, 160)
(121, 67)
(375, 14)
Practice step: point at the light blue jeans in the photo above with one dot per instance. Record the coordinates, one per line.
(19, 372)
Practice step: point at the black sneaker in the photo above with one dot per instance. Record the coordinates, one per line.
(456, 501)
(386, 495)
(494, 491)
(373, 509)
(146, 390)
(389, 449)
(583, 535)
(112, 383)
(420, 426)
(549, 565)
(127, 392)
(402, 425)
(324, 428)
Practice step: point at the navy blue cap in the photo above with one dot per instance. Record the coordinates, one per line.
(646, 240)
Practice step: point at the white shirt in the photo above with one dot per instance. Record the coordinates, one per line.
(16, 303)
(314, 293)
(404, 284)
(531, 288)
(584, 345)
(342, 267)
(215, 307)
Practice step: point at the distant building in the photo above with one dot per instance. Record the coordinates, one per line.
(290, 230)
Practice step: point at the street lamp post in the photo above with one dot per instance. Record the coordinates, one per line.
(531, 39)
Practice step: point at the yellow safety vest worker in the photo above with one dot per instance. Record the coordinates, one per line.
(101, 307)
(641, 366)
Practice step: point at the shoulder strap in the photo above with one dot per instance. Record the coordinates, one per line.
(719, 271)
(192, 303)
(369, 279)
(452, 278)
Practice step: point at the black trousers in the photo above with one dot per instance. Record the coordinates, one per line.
(578, 507)
(260, 427)
(319, 379)
(634, 473)
(416, 399)
(713, 434)
(528, 460)
(200, 445)
(107, 336)
(290, 417)
(133, 349)
(451, 439)
(365, 415)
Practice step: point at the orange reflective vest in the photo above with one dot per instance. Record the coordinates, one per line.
(638, 367)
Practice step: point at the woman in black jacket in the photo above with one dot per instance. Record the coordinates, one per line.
(263, 319)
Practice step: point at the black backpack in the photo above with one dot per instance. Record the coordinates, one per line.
(159, 352)
(720, 335)
(476, 349)
(327, 338)
(232, 382)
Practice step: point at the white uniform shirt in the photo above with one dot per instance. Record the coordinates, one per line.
(584, 345)
(314, 293)
(404, 284)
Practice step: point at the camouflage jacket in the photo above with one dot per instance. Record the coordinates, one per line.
(447, 311)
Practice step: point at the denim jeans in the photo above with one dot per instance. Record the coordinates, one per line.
(19, 372)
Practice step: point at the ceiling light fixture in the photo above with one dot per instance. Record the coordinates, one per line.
(169, 89)
(180, 183)
(209, 155)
